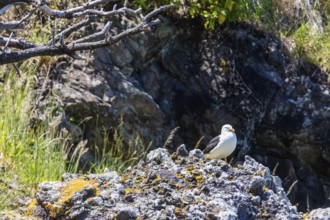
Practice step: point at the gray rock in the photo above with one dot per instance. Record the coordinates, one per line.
(163, 188)
(128, 213)
(196, 153)
(318, 214)
(257, 185)
(159, 155)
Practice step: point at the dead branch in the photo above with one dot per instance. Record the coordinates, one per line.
(84, 16)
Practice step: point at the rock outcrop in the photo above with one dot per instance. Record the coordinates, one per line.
(180, 75)
(168, 187)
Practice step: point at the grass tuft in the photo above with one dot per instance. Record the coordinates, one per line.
(118, 155)
(28, 156)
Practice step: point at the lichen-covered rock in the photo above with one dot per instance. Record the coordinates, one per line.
(159, 156)
(168, 187)
(318, 214)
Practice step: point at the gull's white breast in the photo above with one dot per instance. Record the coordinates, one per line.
(225, 147)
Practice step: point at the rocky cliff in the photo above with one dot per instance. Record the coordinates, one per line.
(180, 75)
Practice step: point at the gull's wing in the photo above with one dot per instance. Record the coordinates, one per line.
(212, 144)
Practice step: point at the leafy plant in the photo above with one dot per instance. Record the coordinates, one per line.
(212, 11)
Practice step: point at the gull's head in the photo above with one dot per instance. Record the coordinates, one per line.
(227, 128)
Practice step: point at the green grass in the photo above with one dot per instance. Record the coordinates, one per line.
(116, 154)
(31, 155)
(314, 46)
(28, 156)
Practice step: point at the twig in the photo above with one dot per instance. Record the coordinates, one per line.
(46, 50)
(17, 70)
(7, 43)
(4, 9)
(16, 24)
(155, 12)
(97, 35)
(17, 43)
(70, 30)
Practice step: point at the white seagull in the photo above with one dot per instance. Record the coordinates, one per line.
(222, 145)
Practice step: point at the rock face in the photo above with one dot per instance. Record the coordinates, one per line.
(168, 187)
(180, 75)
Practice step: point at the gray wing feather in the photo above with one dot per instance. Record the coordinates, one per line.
(212, 144)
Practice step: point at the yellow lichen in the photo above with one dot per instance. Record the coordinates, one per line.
(305, 216)
(230, 177)
(140, 178)
(67, 191)
(31, 207)
(265, 215)
(199, 178)
(174, 156)
(76, 185)
(179, 213)
(259, 173)
(178, 175)
(125, 177)
(178, 185)
(157, 180)
(133, 190)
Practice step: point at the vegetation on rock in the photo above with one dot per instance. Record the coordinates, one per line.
(30, 155)
(306, 22)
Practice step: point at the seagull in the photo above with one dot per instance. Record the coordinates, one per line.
(222, 145)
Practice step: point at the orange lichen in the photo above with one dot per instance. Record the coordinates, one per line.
(67, 192)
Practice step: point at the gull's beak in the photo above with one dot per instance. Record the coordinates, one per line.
(232, 130)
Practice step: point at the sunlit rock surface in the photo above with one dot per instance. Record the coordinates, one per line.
(168, 187)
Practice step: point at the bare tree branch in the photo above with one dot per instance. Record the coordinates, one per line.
(95, 36)
(71, 29)
(16, 24)
(17, 43)
(20, 49)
